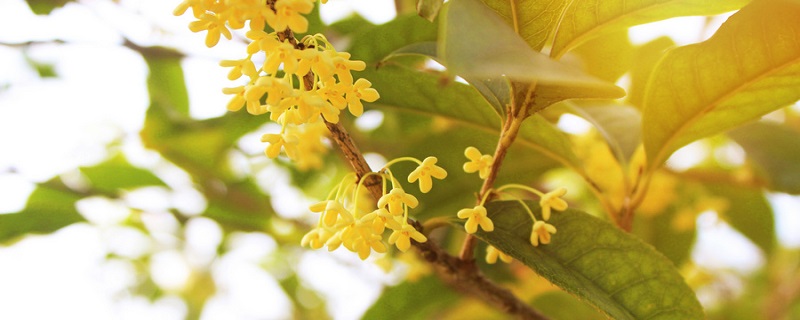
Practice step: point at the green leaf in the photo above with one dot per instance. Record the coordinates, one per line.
(475, 42)
(535, 21)
(420, 299)
(116, 174)
(353, 24)
(750, 67)
(559, 305)
(749, 213)
(496, 91)
(51, 206)
(429, 9)
(44, 7)
(607, 57)
(423, 93)
(775, 151)
(620, 125)
(584, 19)
(374, 44)
(166, 82)
(644, 61)
(597, 262)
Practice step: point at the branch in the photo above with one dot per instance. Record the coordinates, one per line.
(461, 274)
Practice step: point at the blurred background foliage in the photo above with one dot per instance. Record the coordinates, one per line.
(237, 192)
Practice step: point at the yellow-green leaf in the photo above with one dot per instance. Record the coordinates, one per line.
(595, 261)
(750, 67)
(429, 9)
(584, 19)
(475, 42)
(645, 58)
(533, 20)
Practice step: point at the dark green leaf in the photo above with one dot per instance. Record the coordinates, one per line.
(775, 150)
(116, 174)
(374, 44)
(597, 262)
(421, 299)
(51, 206)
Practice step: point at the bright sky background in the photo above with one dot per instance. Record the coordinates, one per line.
(49, 126)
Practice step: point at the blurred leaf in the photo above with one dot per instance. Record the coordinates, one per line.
(418, 92)
(584, 19)
(315, 24)
(620, 125)
(644, 61)
(775, 150)
(421, 299)
(45, 70)
(353, 24)
(607, 57)
(51, 206)
(429, 9)
(597, 262)
(559, 305)
(474, 42)
(44, 7)
(117, 173)
(750, 67)
(376, 43)
(667, 236)
(166, 82)
(749, 213)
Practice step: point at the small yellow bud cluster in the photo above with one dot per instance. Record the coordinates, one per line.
(343, 223)
(298, 84)
(541, 231)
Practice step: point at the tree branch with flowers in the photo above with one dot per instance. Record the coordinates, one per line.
(513, 57)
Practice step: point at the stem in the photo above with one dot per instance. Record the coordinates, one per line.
(507, 137)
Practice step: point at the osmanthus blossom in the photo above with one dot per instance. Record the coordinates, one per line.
(480, 163)
(395, 199)
(402, 238)
(540, 233)
(552, 200)
(492, 254)
(476, 217)
(424, 172)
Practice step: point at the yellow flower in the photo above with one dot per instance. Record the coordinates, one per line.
(402, 238)
(285, 54)
(214, 25)
(240, 67)
(315, 60)
(334, 93)
(238, 100)
(331, 210)
(493, 253)
(395, 200)
(316, 238)
(424, 172)
(342, 66)
(288, 14)
(360, 91)
(364, 246)
(552, 200)
(541, 233)
(276, 141)
(380, 219)
(476, 217)
(478, 162)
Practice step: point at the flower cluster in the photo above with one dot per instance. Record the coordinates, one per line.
(541, 231)
(360, 229)
(299, 83)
